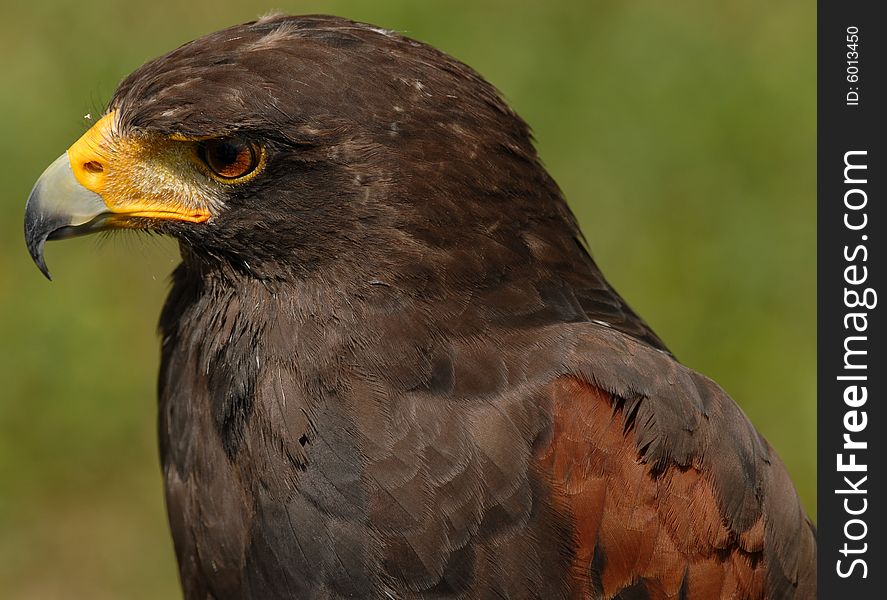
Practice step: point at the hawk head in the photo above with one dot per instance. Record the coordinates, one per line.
(293, 147)
(280, 145)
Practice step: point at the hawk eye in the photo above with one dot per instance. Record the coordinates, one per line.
(230, 158)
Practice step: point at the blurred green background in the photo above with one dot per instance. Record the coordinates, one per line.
(682, 134)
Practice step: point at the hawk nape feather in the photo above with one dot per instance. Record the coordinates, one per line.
(390, 368)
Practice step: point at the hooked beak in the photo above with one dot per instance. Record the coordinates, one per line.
(59, 207)
(66, 200)
(106, 180)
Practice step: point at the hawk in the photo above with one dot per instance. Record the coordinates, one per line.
(390, 367)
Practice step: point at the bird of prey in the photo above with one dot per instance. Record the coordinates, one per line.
(390, 367)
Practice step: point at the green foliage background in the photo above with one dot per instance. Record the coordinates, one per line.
(682, 134)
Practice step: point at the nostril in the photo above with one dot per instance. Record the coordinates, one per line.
(93, 166)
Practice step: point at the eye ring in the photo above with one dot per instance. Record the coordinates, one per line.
(231, 159)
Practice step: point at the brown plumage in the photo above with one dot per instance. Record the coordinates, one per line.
(390, 367)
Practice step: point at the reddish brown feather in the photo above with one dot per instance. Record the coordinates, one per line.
(654, 530)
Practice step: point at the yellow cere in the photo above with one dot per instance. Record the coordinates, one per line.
(149, 176)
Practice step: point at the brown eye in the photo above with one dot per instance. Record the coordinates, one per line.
(229, 158)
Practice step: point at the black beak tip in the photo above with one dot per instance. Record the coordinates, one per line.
(36, 240)
(36, 252)
(41, 264)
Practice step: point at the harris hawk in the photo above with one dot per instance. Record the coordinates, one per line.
(390, 367)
